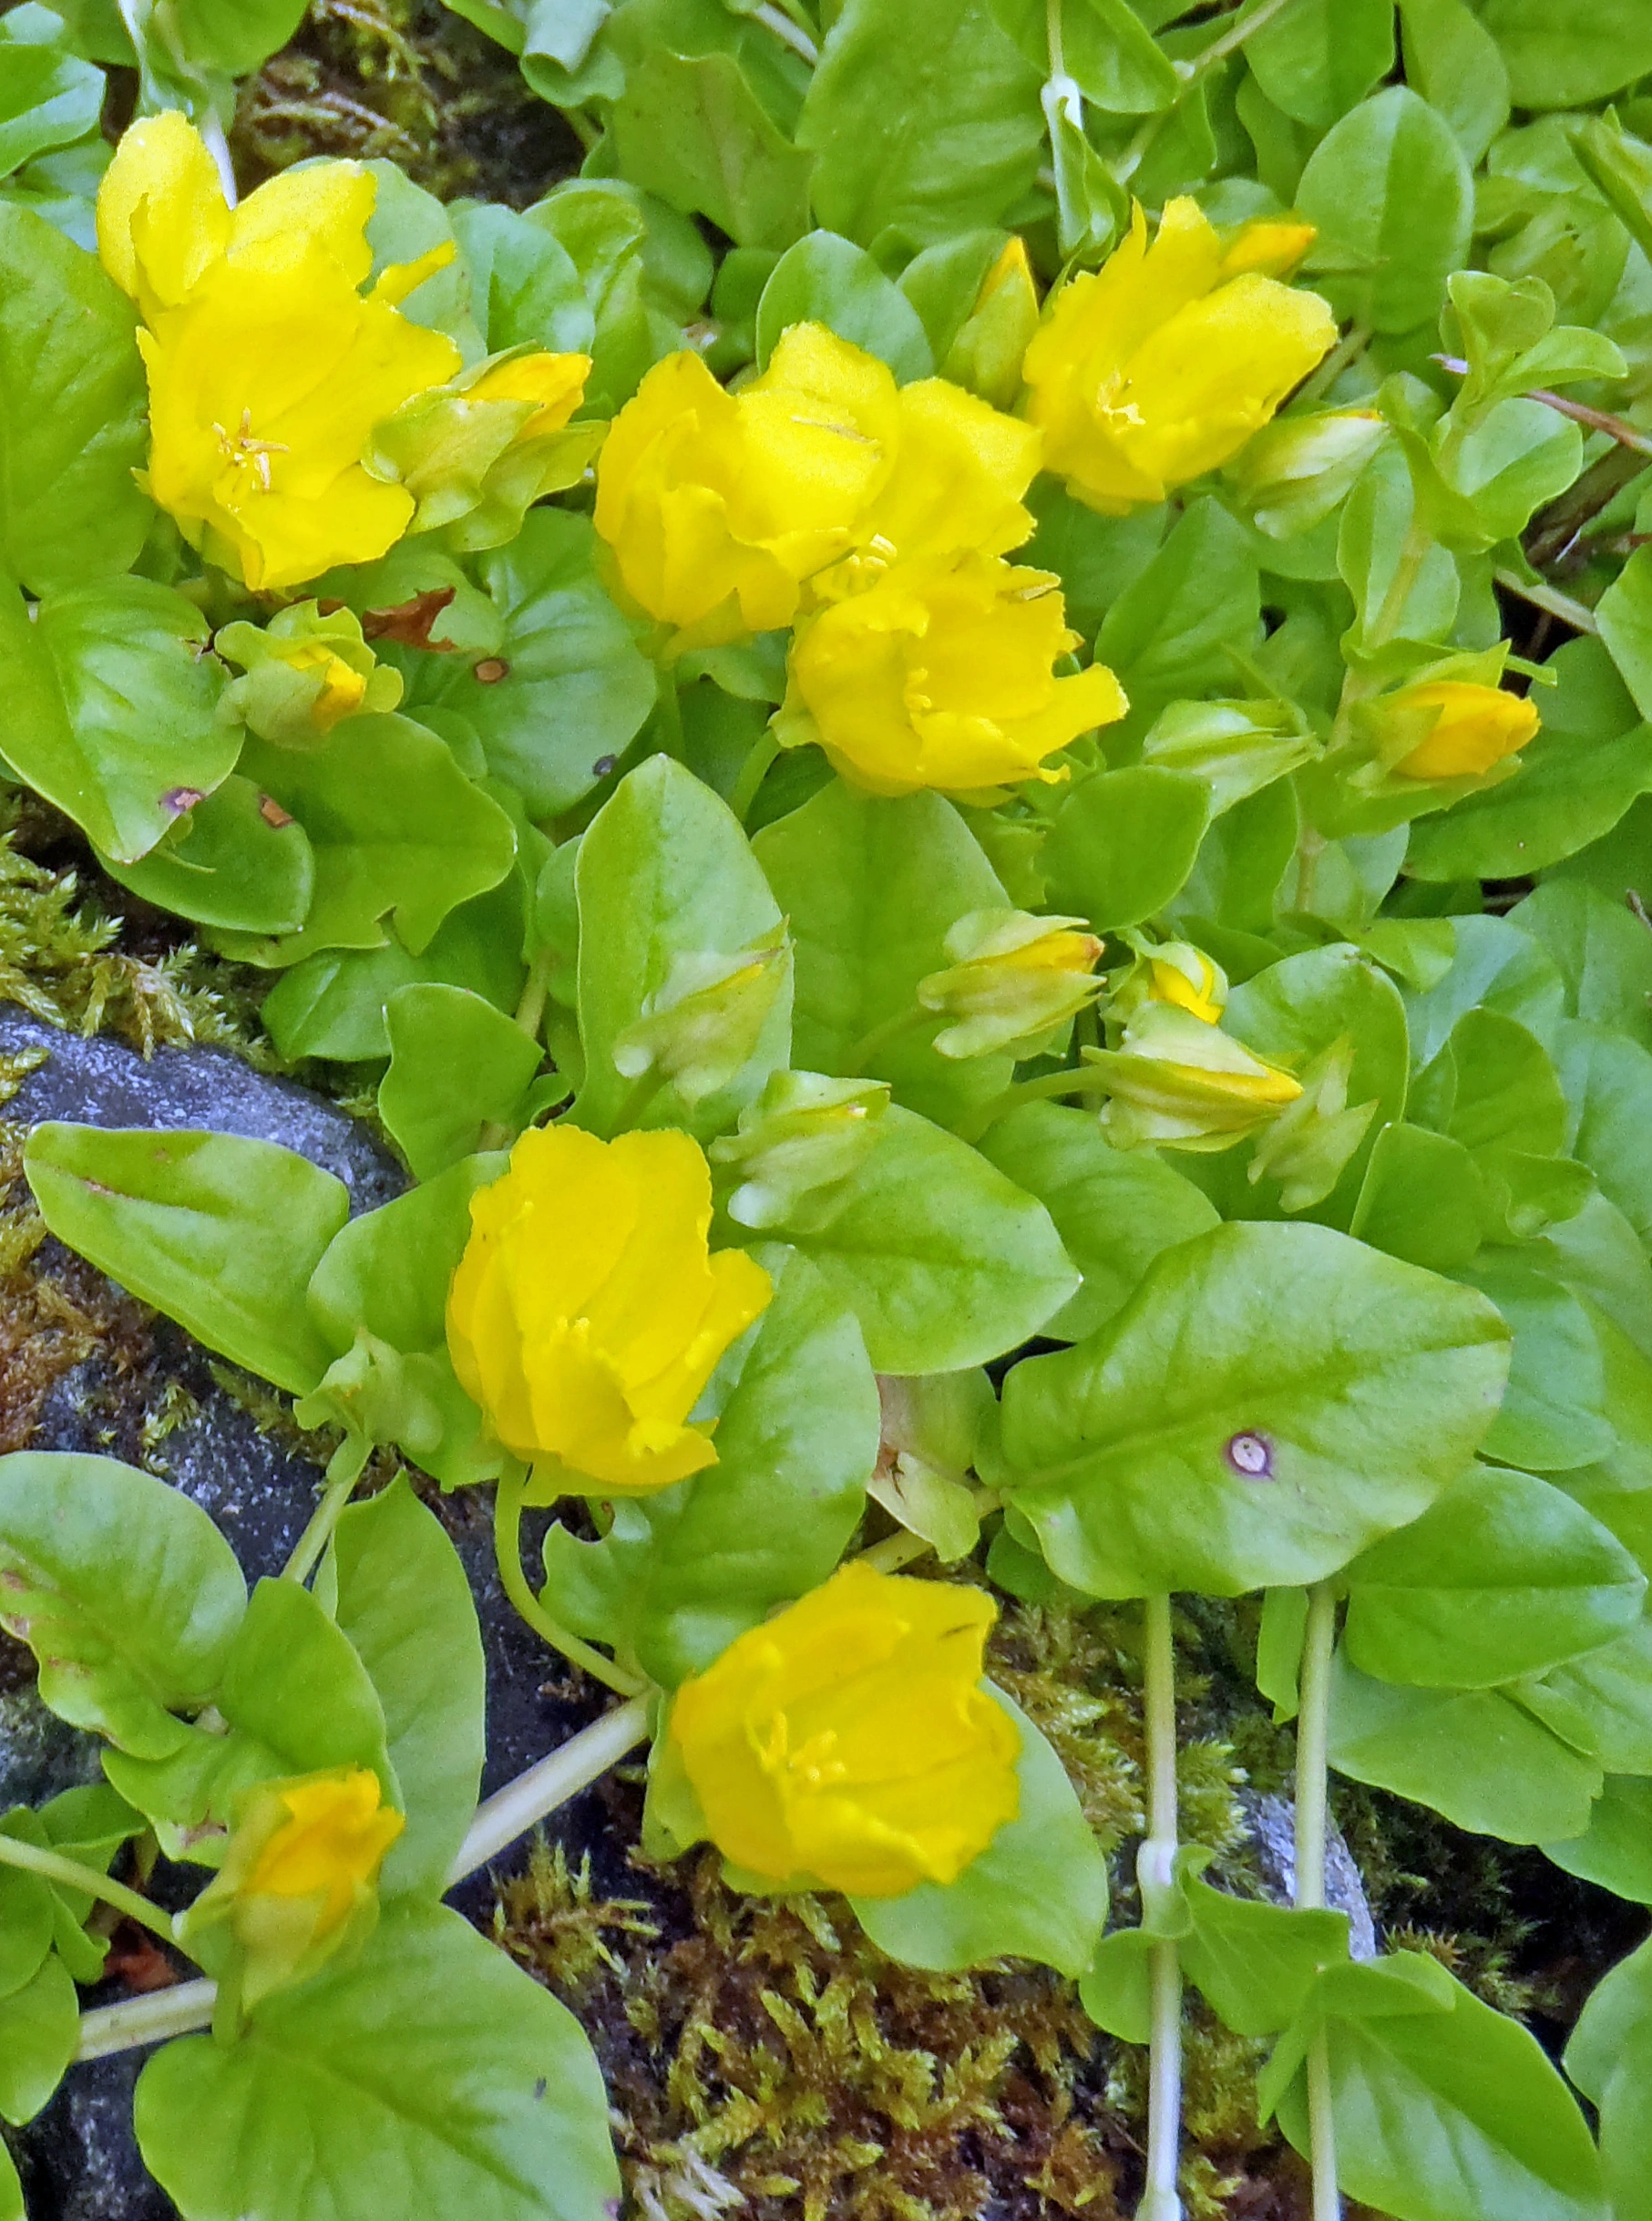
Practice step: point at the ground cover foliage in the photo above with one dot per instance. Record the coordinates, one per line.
(950, 712)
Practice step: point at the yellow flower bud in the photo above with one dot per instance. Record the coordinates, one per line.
(305, 674)
(1016, 977)
(796, 1145)
(848, 1742)
(554, 383)
(267, 368)
(1474, 728)
(986, 355)
(938, 675)
(1177, 1080)
(1297, 469)
(1185, 976)
(720, 508)
(587, 1314)
(298, 1882)
(1160, 365)
(1269, 245)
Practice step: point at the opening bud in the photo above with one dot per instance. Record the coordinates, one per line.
(1014, 979)
(796, 1144)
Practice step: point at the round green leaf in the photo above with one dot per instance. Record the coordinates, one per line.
(830, 281)
(432, 2075)
(1391, 196)
(125, 1590)
(40, 2025)
(1616, 1850)
(240, 862)
(1563, 58)
(1123, 843)
(1271, 1400)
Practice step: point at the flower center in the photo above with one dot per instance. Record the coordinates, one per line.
(244, 452)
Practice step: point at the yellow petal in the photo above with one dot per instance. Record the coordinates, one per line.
(323, 208)
(162, 219)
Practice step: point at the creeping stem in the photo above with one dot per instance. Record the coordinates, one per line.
(344, 1468)
(508, 1504)
(1312, 1730)
(1155, 1867)
(519, 1806)
(69, 1874)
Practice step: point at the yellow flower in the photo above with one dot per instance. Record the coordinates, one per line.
(1268, 245)
(557, 382)
(848, 1742)
(1014, 977)
(267, 368)
(721, 508)
(329, 1848)
(1474, 728)
(938, 674)
(1160, 365)
(1176, 1079)
(586, 1315)
(305, 674)
(1182, 974)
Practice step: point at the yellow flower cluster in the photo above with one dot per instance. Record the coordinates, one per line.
(268, 367)
(587, 1314)
(848, 1743)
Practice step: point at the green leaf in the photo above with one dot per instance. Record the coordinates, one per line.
(238, 862)
(1421, 1199)
(297, 1699)
(1451, 2112)
(1607, 1078)
(49, 98)
(1603, 950)
(1109, 52)
(827, 280)
(457, 1064)
(1557, 58)
(11, 2190)
(1037, 1891)
(1494, 965)
(944, 1261)
(405, 1602)
(923, 117)
(234, 37)
(1503, 1576)
(26, 1918)
(665, 872)
(1602, 1704)
(1116, 1209)
(381, 1293)
(523, 288)
(1366, 1384)
(1116, 1987)
(1475, 1755)
(1391, 196)
(70, 511)
(432, 2062)
(1455, 64)
(1615, 1851)
(1167, 632)
(1551, 1418)
(871, 886)
(1625, 617)
(39, 2028)
(1319, 58)
(1255, 1963)
(682, 1573)
(126, 1592)
(1587, 765)
(113, 707)
(1608, 2058)
(1123, 842)
(691, 127)
(401, 837)
(221, 1233)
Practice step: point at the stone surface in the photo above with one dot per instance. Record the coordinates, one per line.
(106, 1084)
(1273, 1835)
(79, 2160)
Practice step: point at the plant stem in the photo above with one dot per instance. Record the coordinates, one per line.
(508, 1503)
(1549, 597)
(138, 2022)
(1244, 26)
(1312, 1737)
(668, 701)
(1598, 420)
(69, 1874)
(870, 1045)
(499, 1822)
(1052, 36)
(637, 1101)
(523, 1803)
(530, 1010)
(903, 1550)
(344, 1468)
(1077, 1080)
(752, 773)
(785, 29)
(1155, 1864)
(1348, 349)
(217, 146)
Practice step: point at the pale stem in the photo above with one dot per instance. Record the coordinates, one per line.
(1244, 26)
(1155, 1862)
(525, 1802)
(790, 33)
(1134, 154)
(508, 1500)
(218, 146)
(1543, 596)
(752, 773)
(1598, 419)
(1076, 1080)
(69, 1874)
(1348, 349)
(897, 1550)
(521, 1805)
(344, 1468)
(530, 1010)
(1313, 1723)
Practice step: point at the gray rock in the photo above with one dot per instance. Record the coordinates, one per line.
(79, 2160)
(39, 1753)
(103, 1082)
(1273, 1835)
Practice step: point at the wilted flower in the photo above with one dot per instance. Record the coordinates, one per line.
(297, 1885)
(720, 508)
(940, 675)
(587, 1314)
(1176, 1079)
(1160, 365)
(1472, 730)
(1013, 978)
(796, 1144)
(267, 367)
(848, 1742)
(304, 673)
